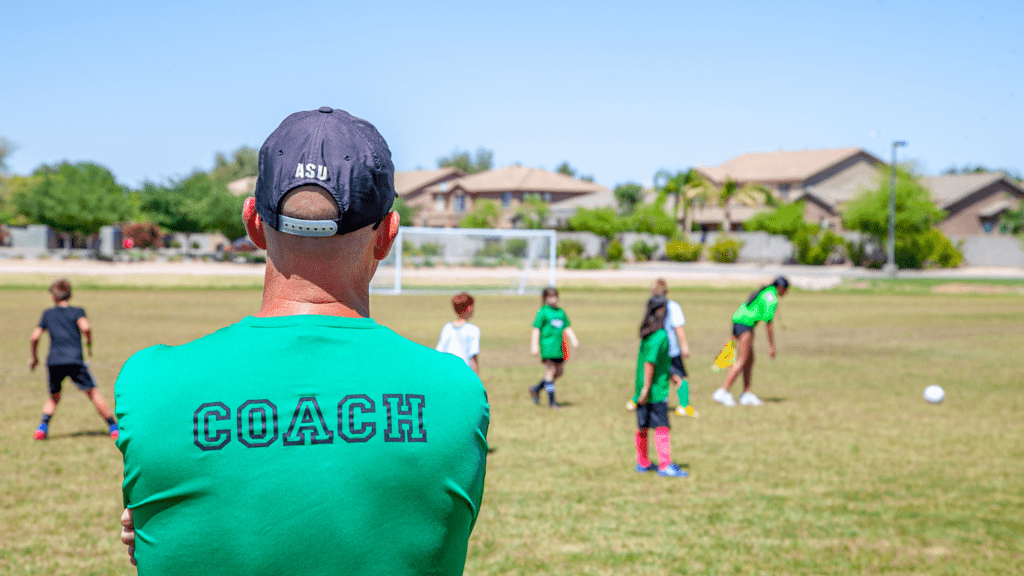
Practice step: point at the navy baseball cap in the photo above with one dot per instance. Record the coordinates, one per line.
(338, 152)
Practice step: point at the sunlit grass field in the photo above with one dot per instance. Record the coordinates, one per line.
(844, 470)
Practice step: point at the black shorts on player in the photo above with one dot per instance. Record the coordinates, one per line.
(678, 368)
(78, 373)
(652, 415)
(738, 329)
(557, 361)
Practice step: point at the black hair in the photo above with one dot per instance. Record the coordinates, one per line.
(780, 282)
(654, 316)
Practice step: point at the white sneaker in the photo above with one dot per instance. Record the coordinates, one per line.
(723, 397)
(748, 399)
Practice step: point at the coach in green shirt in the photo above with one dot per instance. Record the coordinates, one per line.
(307, 439)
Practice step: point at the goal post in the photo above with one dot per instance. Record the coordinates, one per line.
(509, 261)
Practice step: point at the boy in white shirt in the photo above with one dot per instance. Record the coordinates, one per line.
(459, 337)
(677, 349)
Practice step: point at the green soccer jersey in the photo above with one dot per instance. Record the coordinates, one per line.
(762, 308)
(653, 349)
(301, 445)
(551, 322)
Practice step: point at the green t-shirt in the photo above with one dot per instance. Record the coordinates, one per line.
(762, 308)
(653, 349)
(301, 445)
(551, 321)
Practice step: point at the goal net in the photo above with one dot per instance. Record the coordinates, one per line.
(455, 259)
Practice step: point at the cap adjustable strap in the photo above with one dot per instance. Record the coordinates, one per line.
(310, 228)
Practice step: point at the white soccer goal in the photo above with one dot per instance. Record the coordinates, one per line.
(482, 260)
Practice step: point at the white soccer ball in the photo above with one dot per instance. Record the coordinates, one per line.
(934, 394)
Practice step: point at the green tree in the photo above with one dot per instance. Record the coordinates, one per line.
(6, 148)
(688, 189)
(74, 199)
(486, 214)
(533, 213)
(463, 161)
(731, 193)
(915, 215)
(243, 162)
(652, 219)
(601, 221)
(787, 220)
(406, 213)
(627, 196)
(197, 203)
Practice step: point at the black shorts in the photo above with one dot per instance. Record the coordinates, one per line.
(78, 373)
(738, 329)
(678, 369)
(652, 415)
(555, 360)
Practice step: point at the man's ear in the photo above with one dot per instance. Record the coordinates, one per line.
(253, 223)
(386, 233)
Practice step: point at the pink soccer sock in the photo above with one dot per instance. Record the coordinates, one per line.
(663, 442)
(641, 448)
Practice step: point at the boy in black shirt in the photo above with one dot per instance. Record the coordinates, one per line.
(66, 324)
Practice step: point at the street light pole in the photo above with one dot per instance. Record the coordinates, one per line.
(890, 264)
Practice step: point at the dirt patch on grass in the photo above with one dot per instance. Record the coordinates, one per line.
(964, 288)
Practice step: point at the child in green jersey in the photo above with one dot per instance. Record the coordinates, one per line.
(759, 306)
(550, 326)
(653, 373)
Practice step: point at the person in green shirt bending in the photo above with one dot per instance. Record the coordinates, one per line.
(759, 306)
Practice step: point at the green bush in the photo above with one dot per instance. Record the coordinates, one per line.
(569, 248)
(945, 254)
(580, 263)
(615, 251)
(491, 250)
(430, 249)
(683, 251)
(725, 250)
(814, 248)
(516, 247)
(642, 250)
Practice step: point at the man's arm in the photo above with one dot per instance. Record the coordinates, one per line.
(771, 339)
(83, 326)
(128, 534)
(34, 348)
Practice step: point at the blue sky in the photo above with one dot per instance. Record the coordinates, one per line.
(620, 90)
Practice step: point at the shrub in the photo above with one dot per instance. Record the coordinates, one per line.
(642, 250)
(142, 234)
(945, 254)
(580, 263)
(815, 249)
(615, 251)
(683, 251)
(569, 248)
(725, 250)
(516, 247)
(430, 249)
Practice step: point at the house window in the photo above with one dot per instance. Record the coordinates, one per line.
(439, 203)
(460, 204)
(547, 196)
(506, 199)
(784, 191)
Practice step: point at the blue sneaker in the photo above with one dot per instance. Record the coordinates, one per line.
(673, 471)
(649, 468)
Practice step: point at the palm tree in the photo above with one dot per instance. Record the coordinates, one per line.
(688, 189)
(731, 193)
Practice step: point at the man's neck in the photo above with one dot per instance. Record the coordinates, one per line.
(294, 295)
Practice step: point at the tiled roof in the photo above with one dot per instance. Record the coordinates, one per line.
(781, 166)
(413, 180)
(523, 179)
(951, 188)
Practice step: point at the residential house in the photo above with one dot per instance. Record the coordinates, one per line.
(419, 188)
(974, 202)
(445, 203)
(824, 178)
